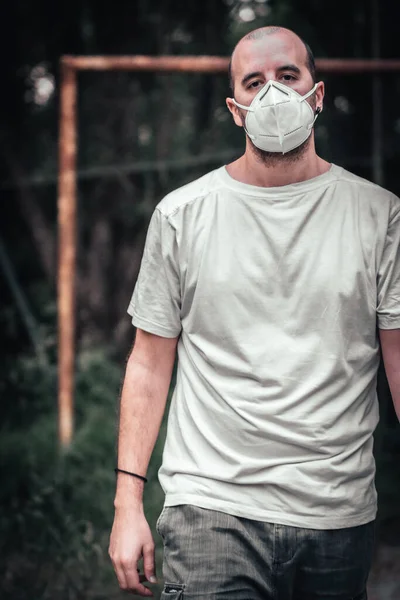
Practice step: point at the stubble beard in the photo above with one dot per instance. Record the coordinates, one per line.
(272, 159)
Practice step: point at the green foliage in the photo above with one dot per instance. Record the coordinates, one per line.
(57, 508)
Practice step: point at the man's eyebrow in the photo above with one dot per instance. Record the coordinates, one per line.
(289, 68)
(292, 68)
(250, 76)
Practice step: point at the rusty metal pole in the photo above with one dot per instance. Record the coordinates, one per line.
(217, 64)
(170, 64)
(67, 202)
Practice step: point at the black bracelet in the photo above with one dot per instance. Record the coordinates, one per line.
(132, 474)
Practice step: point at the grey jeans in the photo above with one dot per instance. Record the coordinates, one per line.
(211, 555)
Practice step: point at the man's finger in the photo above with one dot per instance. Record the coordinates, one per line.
(149, 563)
(120, 576)
(134, 581)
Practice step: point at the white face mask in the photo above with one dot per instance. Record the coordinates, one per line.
(278, 118)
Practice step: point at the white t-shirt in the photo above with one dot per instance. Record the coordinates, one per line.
(276, 294)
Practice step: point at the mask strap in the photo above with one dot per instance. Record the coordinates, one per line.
(305, 98)
(245, 108)
(242, 105)
(313, 121)
(309, 93)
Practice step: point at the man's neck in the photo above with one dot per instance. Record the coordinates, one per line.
(250, 169)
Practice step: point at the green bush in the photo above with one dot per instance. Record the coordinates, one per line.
(57, 507)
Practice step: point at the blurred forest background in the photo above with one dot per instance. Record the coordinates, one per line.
(140, 136)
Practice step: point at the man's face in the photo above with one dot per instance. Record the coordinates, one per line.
(279, 57)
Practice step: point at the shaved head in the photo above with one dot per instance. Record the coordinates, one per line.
(256, 34)
(264, 32)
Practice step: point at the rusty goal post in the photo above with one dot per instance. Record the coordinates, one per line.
(67, 183)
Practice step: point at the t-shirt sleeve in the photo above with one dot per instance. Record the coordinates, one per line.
(388, 282)
(156, 303)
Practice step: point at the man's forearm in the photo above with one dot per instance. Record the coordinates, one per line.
(390, 343)
(393, 377)
(143, 401)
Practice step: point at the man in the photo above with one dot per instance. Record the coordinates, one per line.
(274, 277)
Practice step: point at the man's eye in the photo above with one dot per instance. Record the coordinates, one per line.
(288, 77)
(254, 84)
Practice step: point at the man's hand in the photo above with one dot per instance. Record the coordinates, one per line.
(131, 540)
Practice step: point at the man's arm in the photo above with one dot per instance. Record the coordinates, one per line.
(143, 400)
(390, 344)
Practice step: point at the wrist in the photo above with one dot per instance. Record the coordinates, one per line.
(135, 475)
(129, 492)
(128, 501)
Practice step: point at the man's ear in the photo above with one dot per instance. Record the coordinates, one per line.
(319, 96)
(233, 109)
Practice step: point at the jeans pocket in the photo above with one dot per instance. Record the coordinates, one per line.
(172, 591)
(159, 521)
